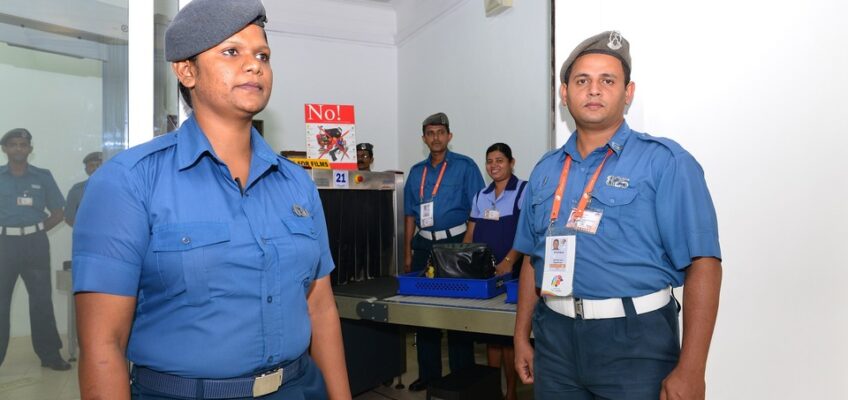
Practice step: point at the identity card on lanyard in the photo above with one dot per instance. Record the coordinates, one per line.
(427, 211)
(561, 243)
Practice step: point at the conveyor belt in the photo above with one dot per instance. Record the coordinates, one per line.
(376, 300)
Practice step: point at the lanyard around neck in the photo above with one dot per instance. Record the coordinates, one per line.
(587, 191)
(438, 181)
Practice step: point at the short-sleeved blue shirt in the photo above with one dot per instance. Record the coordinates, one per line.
(220, 276)
(36, 183)
(498, 235)
(452, 204)
(657, 215)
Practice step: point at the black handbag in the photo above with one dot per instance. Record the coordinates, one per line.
(462, 260)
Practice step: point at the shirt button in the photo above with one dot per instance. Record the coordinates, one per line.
(186, 240)
(270, 358)
(612, 201)
(270, 299)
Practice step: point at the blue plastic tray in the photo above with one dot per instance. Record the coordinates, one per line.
(412, 284)
(511, 291)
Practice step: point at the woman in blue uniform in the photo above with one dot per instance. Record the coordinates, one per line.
(202, 256)
(494, 218)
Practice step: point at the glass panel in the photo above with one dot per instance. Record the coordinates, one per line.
(63, 70)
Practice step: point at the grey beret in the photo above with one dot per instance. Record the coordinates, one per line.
(202, 24)
(16, 133)
(95, 155)
(436, 119)
(609, 42)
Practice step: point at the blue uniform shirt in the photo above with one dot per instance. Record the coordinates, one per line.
(36, 183)
(498, 235)
(452, 204)
(220, 277)
(657, 215)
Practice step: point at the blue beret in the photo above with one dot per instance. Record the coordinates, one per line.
(202, 24)
(609, 43)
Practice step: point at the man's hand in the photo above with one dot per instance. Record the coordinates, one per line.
(524, 360)
(679, 384)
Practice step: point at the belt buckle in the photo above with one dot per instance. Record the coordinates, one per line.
(578, 308)
(267, 383)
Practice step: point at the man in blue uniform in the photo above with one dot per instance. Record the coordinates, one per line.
(91, 161)
(364, 156)
(437, 202)
(25, 193)
(633, 217)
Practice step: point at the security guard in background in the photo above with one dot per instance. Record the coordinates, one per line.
(25, 193)
(438, 195)
(91, 161)
(364, 156)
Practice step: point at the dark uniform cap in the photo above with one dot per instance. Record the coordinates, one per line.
(16, 133)
(609, 42)
(436, 119)
(96, 155)
(202, 24)
(365, 147)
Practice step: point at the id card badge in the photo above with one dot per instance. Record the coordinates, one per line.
(426, 215)
(492, 214)
(558, 277)
(588, 223)
(25, 201)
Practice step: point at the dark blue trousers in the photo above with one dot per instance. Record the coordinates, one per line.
(308, 385)
(429, 340)
(29, 257)
(616, 358)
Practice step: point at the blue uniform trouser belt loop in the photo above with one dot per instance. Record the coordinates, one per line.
(21, 230)
(266, 382)
(441, 235)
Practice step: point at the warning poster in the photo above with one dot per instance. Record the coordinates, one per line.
(331, 134)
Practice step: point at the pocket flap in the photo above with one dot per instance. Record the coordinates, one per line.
(301, 226)
(187, 236)
(612, 197)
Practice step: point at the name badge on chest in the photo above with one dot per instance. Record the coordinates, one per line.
(586, 223)
(25, 201)
(426, 215)
(492, 214)
(558, 277)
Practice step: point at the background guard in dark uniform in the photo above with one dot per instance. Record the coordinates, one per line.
(25, 192)
(91, 161)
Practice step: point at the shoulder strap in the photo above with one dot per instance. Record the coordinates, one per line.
(515, 209)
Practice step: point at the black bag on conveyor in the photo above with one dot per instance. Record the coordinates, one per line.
(462, 260)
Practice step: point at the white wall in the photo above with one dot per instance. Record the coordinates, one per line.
(756, 91)
(58, 99)
(490, 75)
(333, 52)
(327, 71)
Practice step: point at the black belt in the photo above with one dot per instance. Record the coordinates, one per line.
(251, 386)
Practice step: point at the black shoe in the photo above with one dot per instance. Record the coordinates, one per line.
(56, 364)
(417, 386)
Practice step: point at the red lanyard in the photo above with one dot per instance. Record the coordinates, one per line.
(587, 191)
(438, 181)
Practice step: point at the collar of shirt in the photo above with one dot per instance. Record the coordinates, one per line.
(428, 161)
(616, 143)
(511, 185)
(192, 144)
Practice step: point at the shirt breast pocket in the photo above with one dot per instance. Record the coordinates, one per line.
(618, 207)
(542, 204)
(297, 247)
(186, 256)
